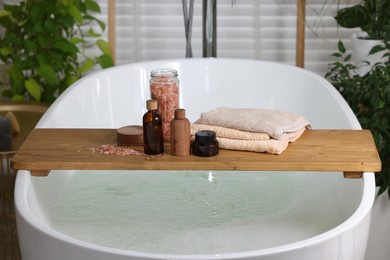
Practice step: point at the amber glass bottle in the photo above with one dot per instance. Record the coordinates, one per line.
(152, 128)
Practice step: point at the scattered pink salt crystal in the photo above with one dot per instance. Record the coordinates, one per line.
(114, 149)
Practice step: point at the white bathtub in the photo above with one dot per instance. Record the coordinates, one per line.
(116, 97)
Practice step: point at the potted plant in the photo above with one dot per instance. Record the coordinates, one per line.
(367, 91)
(370, 45)
(45, 46)
(365, 84)
(369, 97)
(371, 16)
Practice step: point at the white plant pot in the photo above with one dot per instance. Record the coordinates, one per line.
(361, 48)
(378, 243)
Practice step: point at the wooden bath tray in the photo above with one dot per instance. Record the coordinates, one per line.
(348, 151)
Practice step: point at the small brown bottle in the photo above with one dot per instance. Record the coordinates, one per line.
(152, 129)
(180, 134)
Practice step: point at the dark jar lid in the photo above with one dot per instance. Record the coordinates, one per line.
(205, 144)
(206, 137)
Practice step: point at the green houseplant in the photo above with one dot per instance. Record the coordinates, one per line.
(367, 92)
(369, 97)
(371, 16)
(373, 19)
(45, 46)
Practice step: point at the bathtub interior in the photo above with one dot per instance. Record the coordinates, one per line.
(116, 97)
(44, 194)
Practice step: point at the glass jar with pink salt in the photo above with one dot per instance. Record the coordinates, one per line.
(164, 87)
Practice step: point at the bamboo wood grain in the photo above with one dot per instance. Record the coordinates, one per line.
(347, 151)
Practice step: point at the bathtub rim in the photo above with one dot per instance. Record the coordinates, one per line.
(23, 209)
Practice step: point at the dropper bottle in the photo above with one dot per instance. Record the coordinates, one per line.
(152, 129)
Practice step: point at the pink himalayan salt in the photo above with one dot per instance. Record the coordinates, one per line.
(114, 149)
(166, 92)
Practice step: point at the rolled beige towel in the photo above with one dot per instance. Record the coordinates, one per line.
(275, 123)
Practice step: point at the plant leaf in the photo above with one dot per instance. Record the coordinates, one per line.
(382, 189)
(42, 58)
(376, 49)
(105, 61)
(17, 98)
(51, 26)
(30, 46)
(43, 41)
(6, 50)
(4, 13)
(104, 46)
(337, 55)
(75, 13)
(76, 40)
(87, 66)
(341, 47)
(33, 88)
(376, 101)
(352, 17)
(101, 24)
(37, 12)
(71, 79)
(93, 6)
(66, 46)
(347, 58)
(47, 72)
(92, 33)
(17, 79)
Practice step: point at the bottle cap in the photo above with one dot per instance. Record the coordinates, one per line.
(130, 135)
(151, 104)
(180, 113)
(205, 137)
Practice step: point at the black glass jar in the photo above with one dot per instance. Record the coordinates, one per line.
(205, 144)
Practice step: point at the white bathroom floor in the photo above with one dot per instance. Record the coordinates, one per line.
(378, 244)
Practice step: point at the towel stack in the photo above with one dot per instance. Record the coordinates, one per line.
(249, 129)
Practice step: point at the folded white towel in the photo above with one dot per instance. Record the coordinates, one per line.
(275, 123)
